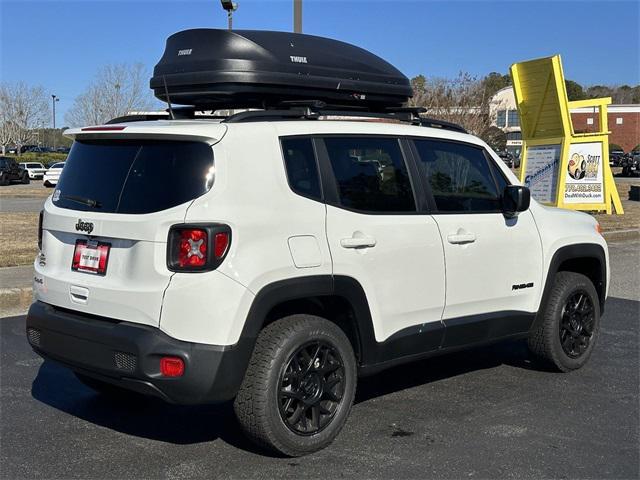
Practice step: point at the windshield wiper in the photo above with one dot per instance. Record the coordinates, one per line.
(89, 202)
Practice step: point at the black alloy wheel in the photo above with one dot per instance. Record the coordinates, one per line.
(576, 324)
(311, 388)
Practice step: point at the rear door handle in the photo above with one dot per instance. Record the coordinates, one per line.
(460, 237)
(358, 242)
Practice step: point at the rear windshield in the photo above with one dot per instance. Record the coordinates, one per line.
(133, 176)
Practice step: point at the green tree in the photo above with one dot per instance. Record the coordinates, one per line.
(574, 90)
(493, 82)
(496, 138)
(615, 146)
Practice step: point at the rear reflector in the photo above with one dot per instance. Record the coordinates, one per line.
(171, 367)
(221, 244)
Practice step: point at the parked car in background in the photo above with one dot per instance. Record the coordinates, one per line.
(35, 170)
(509, 159)
(615, 157)
(52, 175)
(10, 171)
(630, 165)
(62, 150)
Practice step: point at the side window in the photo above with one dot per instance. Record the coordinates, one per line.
(371, 174)
(459, 176)
(302, 169)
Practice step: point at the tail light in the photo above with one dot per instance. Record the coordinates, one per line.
(40, 229)
(197, 247)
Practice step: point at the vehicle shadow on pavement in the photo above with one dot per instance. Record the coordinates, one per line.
(402, 377)
(137, 415)
(151, 418)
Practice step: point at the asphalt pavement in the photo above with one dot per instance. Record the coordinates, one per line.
(485, 413)
(26, 203)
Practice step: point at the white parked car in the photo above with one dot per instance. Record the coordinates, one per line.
(36, 170)
(52, 175)
(271, 257)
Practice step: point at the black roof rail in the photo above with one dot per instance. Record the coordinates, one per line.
(179, 113)
(302, 110)
(314, 109)
(434, 123)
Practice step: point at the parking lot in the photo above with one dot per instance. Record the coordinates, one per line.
(485, 413)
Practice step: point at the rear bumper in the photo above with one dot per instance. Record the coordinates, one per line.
(128, 355)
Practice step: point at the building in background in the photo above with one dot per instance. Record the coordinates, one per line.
(624, 121)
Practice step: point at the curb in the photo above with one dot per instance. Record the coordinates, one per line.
(621, 235)
(15, 301)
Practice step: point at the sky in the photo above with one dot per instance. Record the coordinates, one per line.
(61, 44)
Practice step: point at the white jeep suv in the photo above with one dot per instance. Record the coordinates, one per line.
(273, 262)
(272, 256)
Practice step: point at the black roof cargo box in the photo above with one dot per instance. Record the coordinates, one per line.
(257, 69)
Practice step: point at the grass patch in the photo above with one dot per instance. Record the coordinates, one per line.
(19, 238)
(25, 191)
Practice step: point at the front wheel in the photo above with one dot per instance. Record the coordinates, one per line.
(568, 326)
(299, 386)
(25, 178)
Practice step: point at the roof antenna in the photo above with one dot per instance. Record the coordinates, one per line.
(166, 93)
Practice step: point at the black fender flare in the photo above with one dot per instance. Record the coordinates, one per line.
(575, 252)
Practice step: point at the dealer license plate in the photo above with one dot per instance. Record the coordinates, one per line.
(91, 256)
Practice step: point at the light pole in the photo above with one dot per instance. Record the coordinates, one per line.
(230, 7)
(297, 16)
(54, 99)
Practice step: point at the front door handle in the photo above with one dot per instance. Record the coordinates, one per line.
(358, 242)
(461, 237)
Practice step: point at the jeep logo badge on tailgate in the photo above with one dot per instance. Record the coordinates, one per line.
(84, 226)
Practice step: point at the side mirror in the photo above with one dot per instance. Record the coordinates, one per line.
(515, 199)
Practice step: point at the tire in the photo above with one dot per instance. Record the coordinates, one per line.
(626, 172)
(104, 388)
(4, 179)
(291, 405)
(567, 329)
(47, 184)
(25, 179)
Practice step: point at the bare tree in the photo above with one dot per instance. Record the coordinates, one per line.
(23, 110)
(6, 125)
(116, 90)
(463, 100)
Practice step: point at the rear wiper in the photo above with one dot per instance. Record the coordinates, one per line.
(89, 202)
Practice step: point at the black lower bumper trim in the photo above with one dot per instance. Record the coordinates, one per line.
(128, 355)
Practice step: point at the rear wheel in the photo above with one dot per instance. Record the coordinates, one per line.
(299, 385)
(25, 178)
(4, 179)
(566, 332)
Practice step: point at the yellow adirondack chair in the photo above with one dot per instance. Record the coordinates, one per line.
(564, 167)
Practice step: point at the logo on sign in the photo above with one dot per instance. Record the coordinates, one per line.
(296, 59)
(84, 226)
(186, 51)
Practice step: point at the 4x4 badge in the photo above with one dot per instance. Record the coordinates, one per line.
(84, 226)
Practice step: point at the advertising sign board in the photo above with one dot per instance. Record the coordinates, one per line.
(541, 174)
(583, 178)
